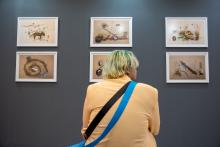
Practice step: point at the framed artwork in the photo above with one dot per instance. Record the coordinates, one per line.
(111, 32)
(187, 67)
(36, 67)
(97, 60)
(186, 32)
(37, 31)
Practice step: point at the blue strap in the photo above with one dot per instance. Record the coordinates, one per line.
(116, 115)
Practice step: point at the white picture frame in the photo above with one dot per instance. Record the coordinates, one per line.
(186, 31)
(37, 32)
(111, 32)
(36, 66)
(95, 66)
(187, 67)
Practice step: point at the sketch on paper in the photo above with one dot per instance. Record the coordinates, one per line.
(187, 67)
(186, 32)
(37, 31)
(97, 60)
(36, 66)
(109, 32)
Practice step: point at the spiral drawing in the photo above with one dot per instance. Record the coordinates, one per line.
(35, 68)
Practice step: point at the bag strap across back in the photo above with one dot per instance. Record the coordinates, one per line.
(121, 107)
(104, 110)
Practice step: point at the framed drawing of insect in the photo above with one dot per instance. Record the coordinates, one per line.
(186, 32)
(97, 60)
(37, 31)
(111, 32)
(187, 67)
(36, 67)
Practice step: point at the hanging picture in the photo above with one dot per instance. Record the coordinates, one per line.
(37, 31)
(36, 67)
(97, 60)
(111, 32)
(186, 32)
(187, 67)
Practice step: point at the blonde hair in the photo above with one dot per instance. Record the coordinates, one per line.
(119, 63)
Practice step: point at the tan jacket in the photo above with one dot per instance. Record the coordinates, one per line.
(139, 122)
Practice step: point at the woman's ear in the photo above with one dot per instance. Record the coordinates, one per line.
(132, 73)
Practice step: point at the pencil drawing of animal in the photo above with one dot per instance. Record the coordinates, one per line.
(38, 34)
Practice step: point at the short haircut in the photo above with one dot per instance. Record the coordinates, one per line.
(118, 64)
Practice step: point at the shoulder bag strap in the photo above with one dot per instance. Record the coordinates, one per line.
(104, 110)
(116, 115)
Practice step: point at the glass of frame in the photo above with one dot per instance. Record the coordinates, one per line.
(186, 32)
(37, 31)
(111, 32)
(97, 60)
(36, 67)
(187, 67)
